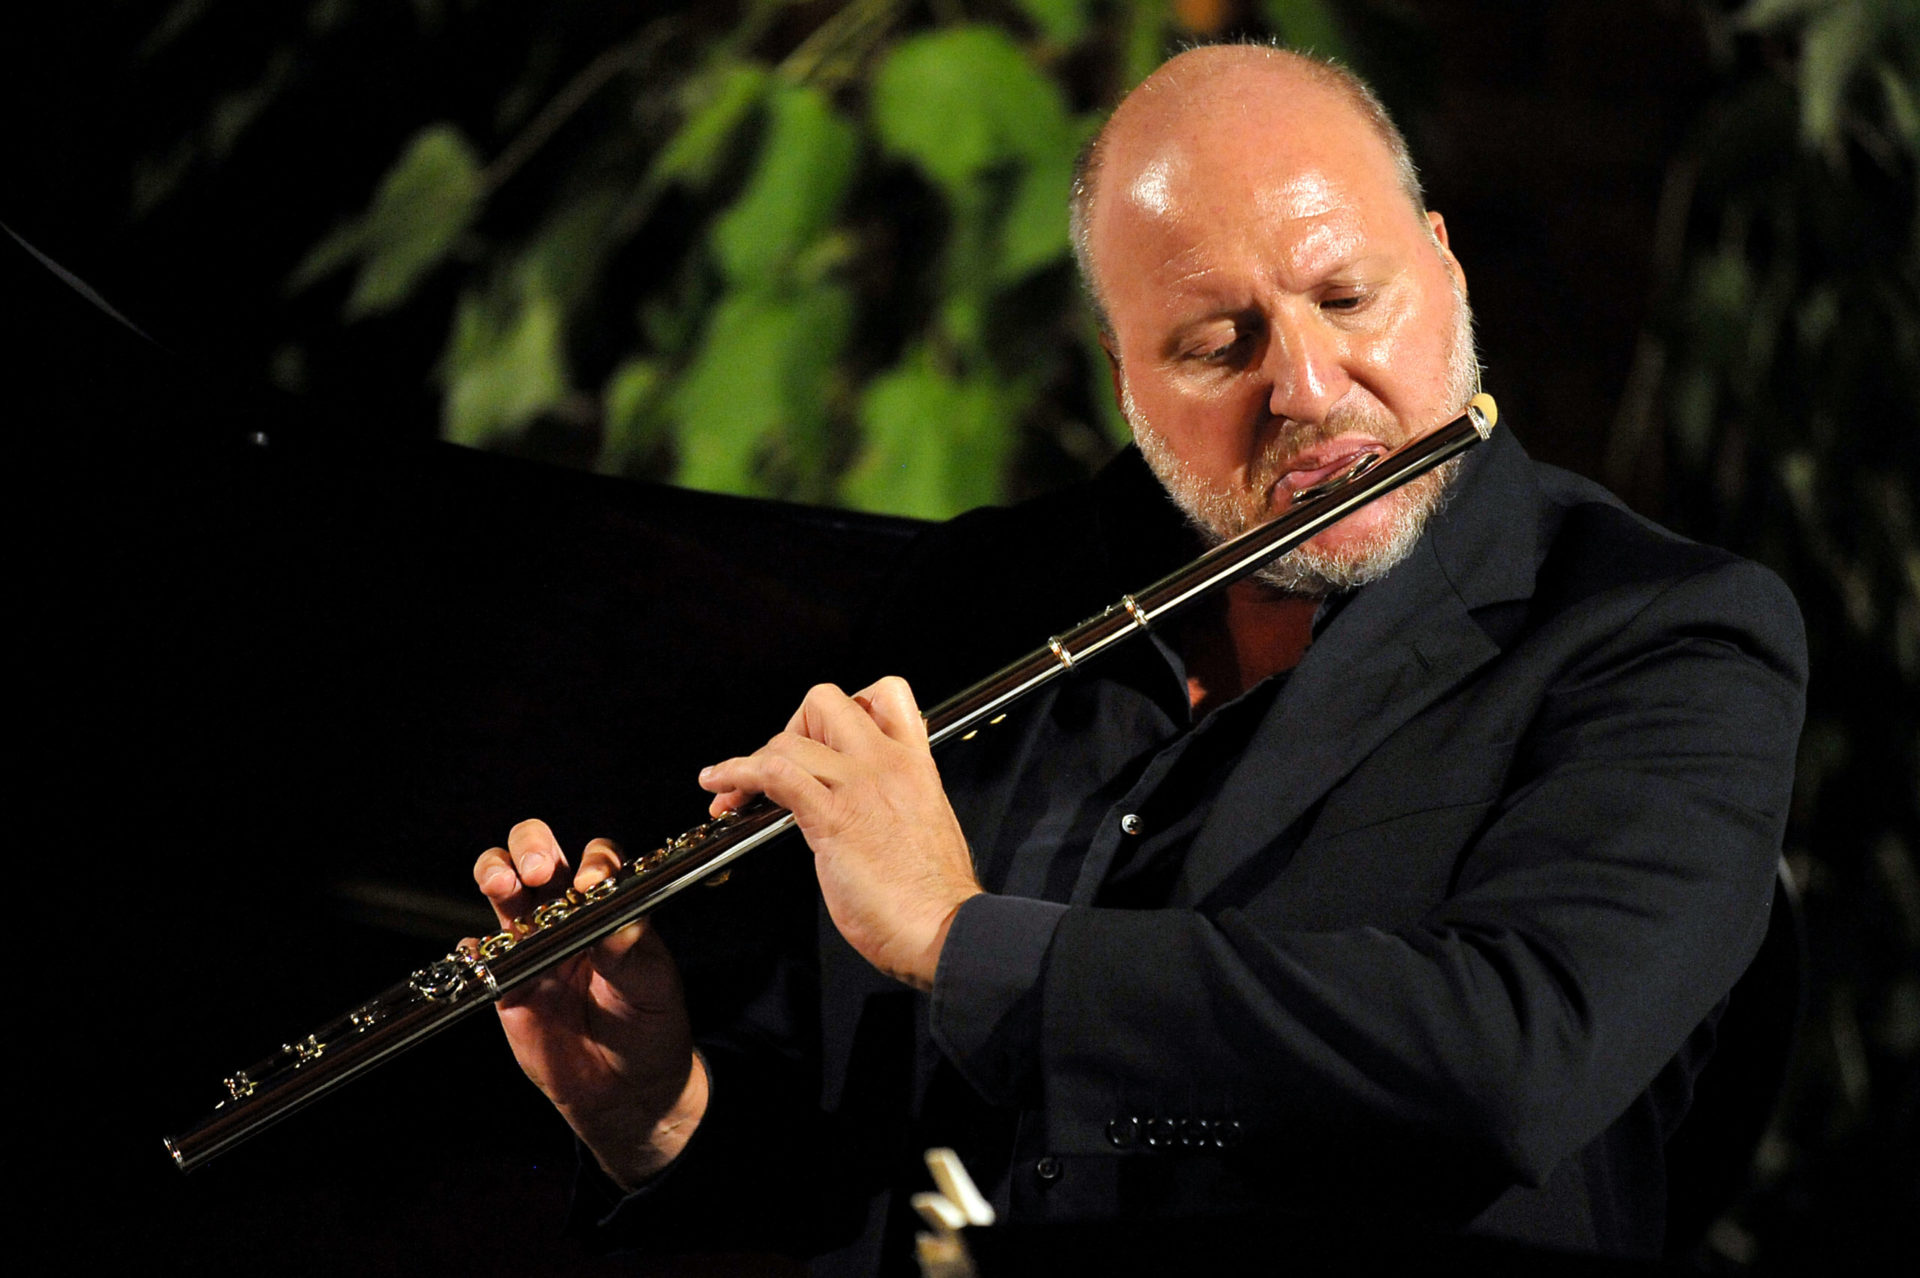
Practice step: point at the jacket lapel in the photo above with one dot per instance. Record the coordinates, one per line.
(1397, 647)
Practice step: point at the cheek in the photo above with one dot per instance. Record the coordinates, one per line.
(1360, 530)
(1391, 344)
(1204, 420)
(1406, 365)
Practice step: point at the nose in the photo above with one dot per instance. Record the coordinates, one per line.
(1305, 369)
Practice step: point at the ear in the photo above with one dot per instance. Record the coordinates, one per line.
(1438, 225)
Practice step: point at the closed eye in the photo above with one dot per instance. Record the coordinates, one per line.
(1238, 343)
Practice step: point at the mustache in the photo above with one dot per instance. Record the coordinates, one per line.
(1297, 437)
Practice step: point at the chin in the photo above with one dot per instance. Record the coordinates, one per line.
(1366, 545)
(1361, 548)
(1362, 532)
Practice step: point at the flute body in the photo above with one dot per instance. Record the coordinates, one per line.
(476, 974)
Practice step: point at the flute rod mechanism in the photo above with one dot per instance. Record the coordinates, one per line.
(476, 974)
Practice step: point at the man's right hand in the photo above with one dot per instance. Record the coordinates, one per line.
(605, 1034)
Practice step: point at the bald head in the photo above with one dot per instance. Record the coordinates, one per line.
(1217, 89)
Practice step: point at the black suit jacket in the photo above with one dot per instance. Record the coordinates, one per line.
(1451, 936)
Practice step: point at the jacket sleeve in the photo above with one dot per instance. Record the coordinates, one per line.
(1614, 890)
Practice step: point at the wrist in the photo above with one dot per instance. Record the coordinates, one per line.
(922, 977)
(649, 1136)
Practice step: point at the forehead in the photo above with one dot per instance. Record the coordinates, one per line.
(1242, 166)
(1177, 217)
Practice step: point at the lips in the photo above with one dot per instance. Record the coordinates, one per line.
(1324, 461)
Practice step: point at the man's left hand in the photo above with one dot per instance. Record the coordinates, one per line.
(860, 781)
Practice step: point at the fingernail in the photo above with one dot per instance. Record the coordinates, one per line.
(708, 771)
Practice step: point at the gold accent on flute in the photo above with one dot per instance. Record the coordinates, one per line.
(474, 975)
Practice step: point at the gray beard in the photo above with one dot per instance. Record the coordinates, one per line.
(1220, 511)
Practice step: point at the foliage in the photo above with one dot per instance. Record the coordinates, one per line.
(1773, 409)
(787, 249)
(419, 213)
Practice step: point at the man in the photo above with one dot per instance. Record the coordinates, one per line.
(1403, 882)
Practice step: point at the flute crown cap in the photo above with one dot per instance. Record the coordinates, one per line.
(1489, 414)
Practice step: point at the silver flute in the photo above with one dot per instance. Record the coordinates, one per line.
(477, 973)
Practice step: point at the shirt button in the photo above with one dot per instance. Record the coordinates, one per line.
(1047, 1169)
(1131, 823)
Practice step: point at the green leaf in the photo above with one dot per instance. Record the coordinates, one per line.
(567, 254)
(180, 18)
(1064, 22)
(425, 203)
(716, 104)
(961, 100)
(1830, 52)
(1306, 25)
(632, 417)
(157, 177)
(967, 107)
(964, 317)
(932, 445)
(761, 375)
(1765, 15)
(1695, 395)
(1033, 233)
(1815, 320)
(502, 371)
(1902, 110)
(326, 15)
(1722, 292)
(1798, 471)
(234, 115)
(1144, 40)
(799, 181)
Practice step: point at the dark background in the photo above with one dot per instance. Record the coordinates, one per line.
(290, 663)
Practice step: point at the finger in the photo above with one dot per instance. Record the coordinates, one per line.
(726, 798)
(798, 721)
(598, 861)
(737, 776)
(834, 719)
(776, 774)
(728, 802)
(891, 705)
(827, 718)
(494, 873)
(535, 852)
(609, 953)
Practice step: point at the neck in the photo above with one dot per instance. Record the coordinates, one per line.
(1253, 632)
